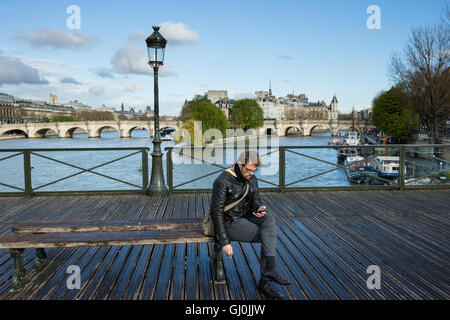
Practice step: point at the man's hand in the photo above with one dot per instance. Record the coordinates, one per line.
(260, 212)
(228, 250)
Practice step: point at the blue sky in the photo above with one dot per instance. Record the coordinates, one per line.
(319, 48)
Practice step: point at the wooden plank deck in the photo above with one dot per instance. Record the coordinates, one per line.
(326, 241)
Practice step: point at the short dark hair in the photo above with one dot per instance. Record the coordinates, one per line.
(251, 157)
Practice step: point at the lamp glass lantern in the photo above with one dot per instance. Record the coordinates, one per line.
(156, 47)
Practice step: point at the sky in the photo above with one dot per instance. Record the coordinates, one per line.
(95, 51)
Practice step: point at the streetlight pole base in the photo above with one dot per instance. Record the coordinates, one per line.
(157, 185)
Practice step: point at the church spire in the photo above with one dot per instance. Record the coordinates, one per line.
(270, 87)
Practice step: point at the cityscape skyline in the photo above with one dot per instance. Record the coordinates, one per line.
(96, 55)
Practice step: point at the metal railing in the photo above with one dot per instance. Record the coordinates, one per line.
(430, 170)
(29, 189)
(285, 182)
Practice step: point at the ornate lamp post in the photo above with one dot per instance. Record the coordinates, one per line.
(156, 45)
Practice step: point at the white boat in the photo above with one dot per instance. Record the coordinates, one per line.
(335, 141)
(352, 139)
(387, 167)
(167, 137)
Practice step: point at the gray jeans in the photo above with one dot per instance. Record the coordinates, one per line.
(252, 229)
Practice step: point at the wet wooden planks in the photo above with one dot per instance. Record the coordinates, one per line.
(326, 241)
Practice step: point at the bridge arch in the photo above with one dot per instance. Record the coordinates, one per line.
(138, 128)
(270, 131)
(68, 133)
(96, 132)
(14, 131)
(293, 130)
(41, 133)
(322, 127)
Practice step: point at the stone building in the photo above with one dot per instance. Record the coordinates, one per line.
(53, 98)
(299, 108)
(8, 113)
(216, 95)
(271, 107)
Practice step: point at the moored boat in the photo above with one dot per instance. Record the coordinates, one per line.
(335, 141)
(387, 167)
(167, 137)
(352, 139)
(360, 170)
(346, 152)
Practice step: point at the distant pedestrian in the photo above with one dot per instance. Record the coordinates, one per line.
(248, 221)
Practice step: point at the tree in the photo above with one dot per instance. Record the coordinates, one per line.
(201, 109)
(393, 116)
(186, 111)
(424, 74)
(93, 116)
(246, 114)
(210, 116)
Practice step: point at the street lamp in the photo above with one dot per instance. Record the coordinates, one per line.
(156, 45)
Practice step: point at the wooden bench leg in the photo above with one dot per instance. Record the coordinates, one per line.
(19, 278)
(218, 266)
(40, 260)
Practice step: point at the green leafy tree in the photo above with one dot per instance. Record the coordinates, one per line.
(393, 115)
(210, 116)
(186, 111)
(201, 109)
(246, 114)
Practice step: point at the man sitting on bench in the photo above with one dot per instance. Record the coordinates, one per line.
(248, 221)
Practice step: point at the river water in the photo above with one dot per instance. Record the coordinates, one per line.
(45, 171)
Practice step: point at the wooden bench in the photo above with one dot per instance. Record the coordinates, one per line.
(101, 233)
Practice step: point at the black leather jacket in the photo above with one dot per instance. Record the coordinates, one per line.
(228, 188)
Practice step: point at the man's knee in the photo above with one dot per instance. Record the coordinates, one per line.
(269, 219)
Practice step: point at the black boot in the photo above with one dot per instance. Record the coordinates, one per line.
(268, 291)
(270, 272)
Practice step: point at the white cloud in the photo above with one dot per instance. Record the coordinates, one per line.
(176, 34)
(133, 60)
(55, 38)
(96, 90)
(14, 71)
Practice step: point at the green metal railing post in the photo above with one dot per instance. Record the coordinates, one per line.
(27, 172)
(144, 171)
(402, 168)
(169, 168)
(282, 168)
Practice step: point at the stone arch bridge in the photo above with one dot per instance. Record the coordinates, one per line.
(306, 127)
(94, 128)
